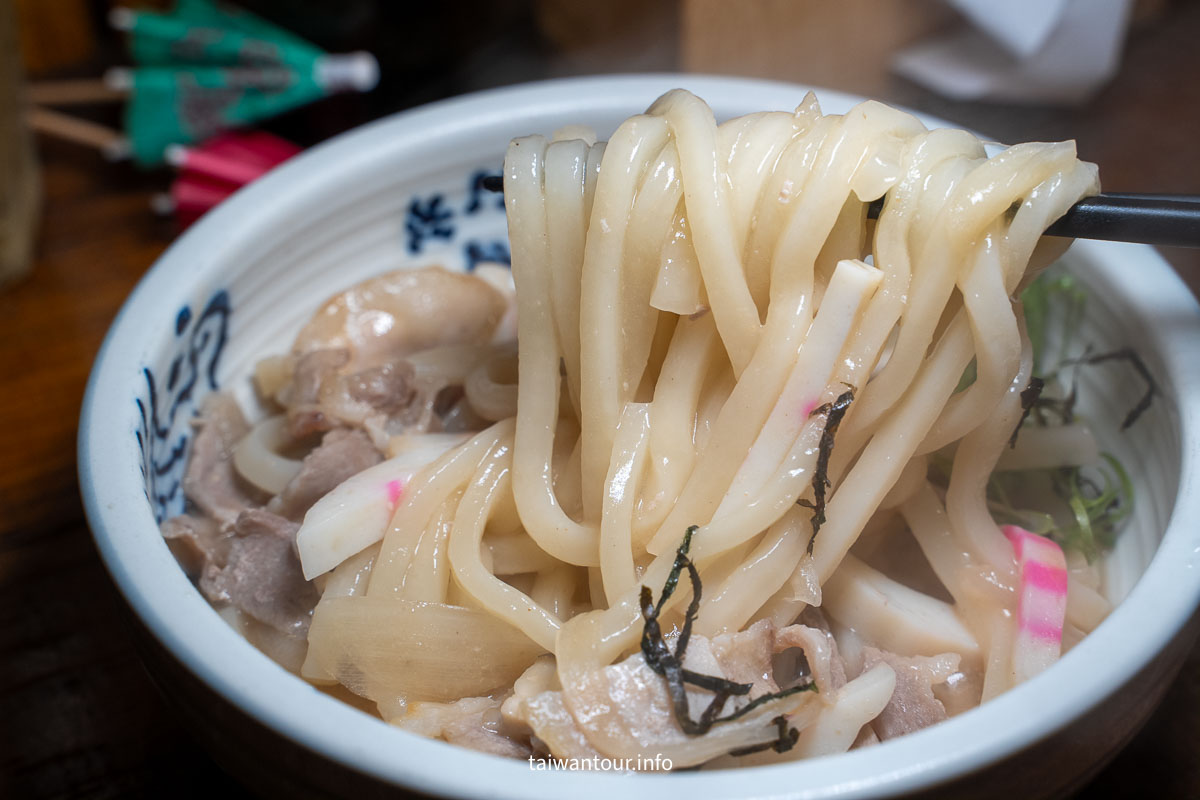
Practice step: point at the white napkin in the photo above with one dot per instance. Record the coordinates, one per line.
(1045, 52)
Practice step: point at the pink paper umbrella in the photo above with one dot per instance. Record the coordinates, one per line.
(234, 157)
(210, 172)
(190, 196)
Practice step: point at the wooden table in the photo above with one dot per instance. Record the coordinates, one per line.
(78, 716)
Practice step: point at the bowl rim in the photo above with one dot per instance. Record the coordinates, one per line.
(1156, 609)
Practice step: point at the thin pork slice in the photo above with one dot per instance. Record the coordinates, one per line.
(913, 705)
(211, 483)
(341, 454)
(262, 577)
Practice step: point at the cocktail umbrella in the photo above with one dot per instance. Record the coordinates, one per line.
(190, 197)
(204, 68)
(235, 157)
(210, 172)
(204, 32)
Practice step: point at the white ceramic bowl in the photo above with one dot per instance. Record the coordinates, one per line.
(238, 285)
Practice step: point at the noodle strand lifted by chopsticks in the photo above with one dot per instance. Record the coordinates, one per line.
(691, 296)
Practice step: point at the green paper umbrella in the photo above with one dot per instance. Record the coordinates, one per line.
(206, 67)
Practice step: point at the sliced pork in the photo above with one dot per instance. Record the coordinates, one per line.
(196, 542)
(211, 483)
(302, 395)
(630, 697)
(913, 705)
(752, 656)
(262, 575)
(380, 399)
(473, 722)
(341, 454)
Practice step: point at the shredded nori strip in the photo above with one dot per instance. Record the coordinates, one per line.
(663, 661)
(660, 659)
(786, 740)
(714, 684)
(653, 647)
(758, 701)
(1139, 366)
(1064, 408)
(1029, 398)
(833, 413)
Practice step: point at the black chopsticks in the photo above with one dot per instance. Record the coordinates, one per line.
(1162, 219)
(1168, 220)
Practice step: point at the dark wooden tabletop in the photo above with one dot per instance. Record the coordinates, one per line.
(78, 716)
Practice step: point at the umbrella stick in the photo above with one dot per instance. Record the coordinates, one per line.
(55, 93)
(81, 131)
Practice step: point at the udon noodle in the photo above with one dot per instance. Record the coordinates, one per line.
(726, 500)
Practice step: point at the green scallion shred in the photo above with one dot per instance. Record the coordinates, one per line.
(1054, 297)
(1092, 504)
(1081, 508)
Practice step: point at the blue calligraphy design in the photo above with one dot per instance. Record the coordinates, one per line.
(477, 195)
(476, 253)
(163, 433)
(427, 219)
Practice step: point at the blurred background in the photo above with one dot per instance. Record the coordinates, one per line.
(81, 221)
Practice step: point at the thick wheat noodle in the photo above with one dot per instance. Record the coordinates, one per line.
(983, 196)
(427, 576)
(538, 384)
(628, 156)
(441, 479)
(617, 568)
(567, 176)
(673, 414)
(736, 599)
(720, 263)
(691, 299)
(493, 477)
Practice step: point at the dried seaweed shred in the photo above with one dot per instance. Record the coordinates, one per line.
(669, 664)
(1029, 398)
(833, 413)
(1139, 367)
(786, 740)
